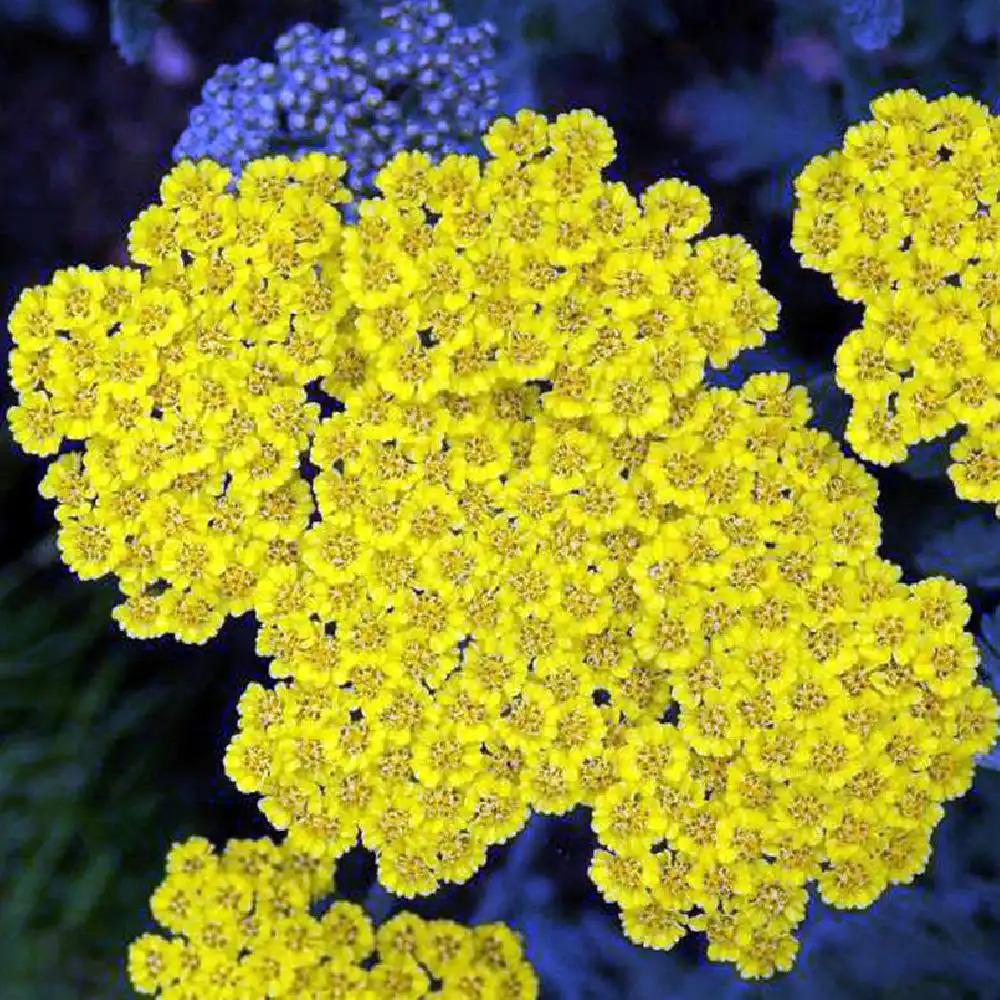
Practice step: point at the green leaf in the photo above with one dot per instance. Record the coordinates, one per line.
(81, 781)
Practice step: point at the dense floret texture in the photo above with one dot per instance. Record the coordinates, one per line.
(244, 924)
(507, 551)
(185, 381)
(743, 692)
(279, 411)
(905, 218)
(423, 82)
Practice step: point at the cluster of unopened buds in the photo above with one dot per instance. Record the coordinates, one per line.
(507, 551)
(423, 82)
(906, 219)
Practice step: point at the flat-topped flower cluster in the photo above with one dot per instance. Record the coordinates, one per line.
(745, 694)
(905, 218)
(434, 323)
(506, 549)
(241, 923)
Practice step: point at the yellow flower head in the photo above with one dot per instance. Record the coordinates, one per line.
(437, 347)
(905, 219)
(241, 923)
(707, 651)
(507, 551)
(185, 378)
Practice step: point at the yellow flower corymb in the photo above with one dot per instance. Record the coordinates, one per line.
(905, 218)
(241, 925)
(506, 549)
(706, 650)
(405, 355)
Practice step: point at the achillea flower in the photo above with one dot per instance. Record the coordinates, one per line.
(539, 562)
(823, 709)
(905, 219)
(186, 383)
(429, 328)
(242, 924)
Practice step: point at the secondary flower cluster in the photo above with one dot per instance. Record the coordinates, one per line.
(717, 662)
(185, 381)
(905, 218)
(242, 924)
(422, 83)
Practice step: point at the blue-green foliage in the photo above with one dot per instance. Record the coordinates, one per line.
(81, 791)
(529, 32)
(422, 81)
(133, 25)
(133, 22)
(981, 21)
(831, 405)
(965, 547)
(873, 24)
(543, 29)
(555, 28)
(763, 126)
(930, 459)
(777, 355)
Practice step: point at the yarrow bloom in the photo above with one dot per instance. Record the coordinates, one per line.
(428, 330)
(531, 560)
(242, 923)
(186, 383)
(747, 697)
(906, 219)
(423, 82)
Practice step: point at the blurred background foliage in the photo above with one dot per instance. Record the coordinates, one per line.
(111, 749)
(827, 59)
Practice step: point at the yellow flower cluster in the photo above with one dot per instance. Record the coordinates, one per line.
(185, 380)
(906, 219)
(717, 662)
(432, 323)
(242, 927)
(510, 553)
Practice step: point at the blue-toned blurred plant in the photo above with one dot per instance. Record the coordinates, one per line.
(829, 59)
(533, 33)
(423, 82)
(133, 22)
(66, 17)
(133, 27)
